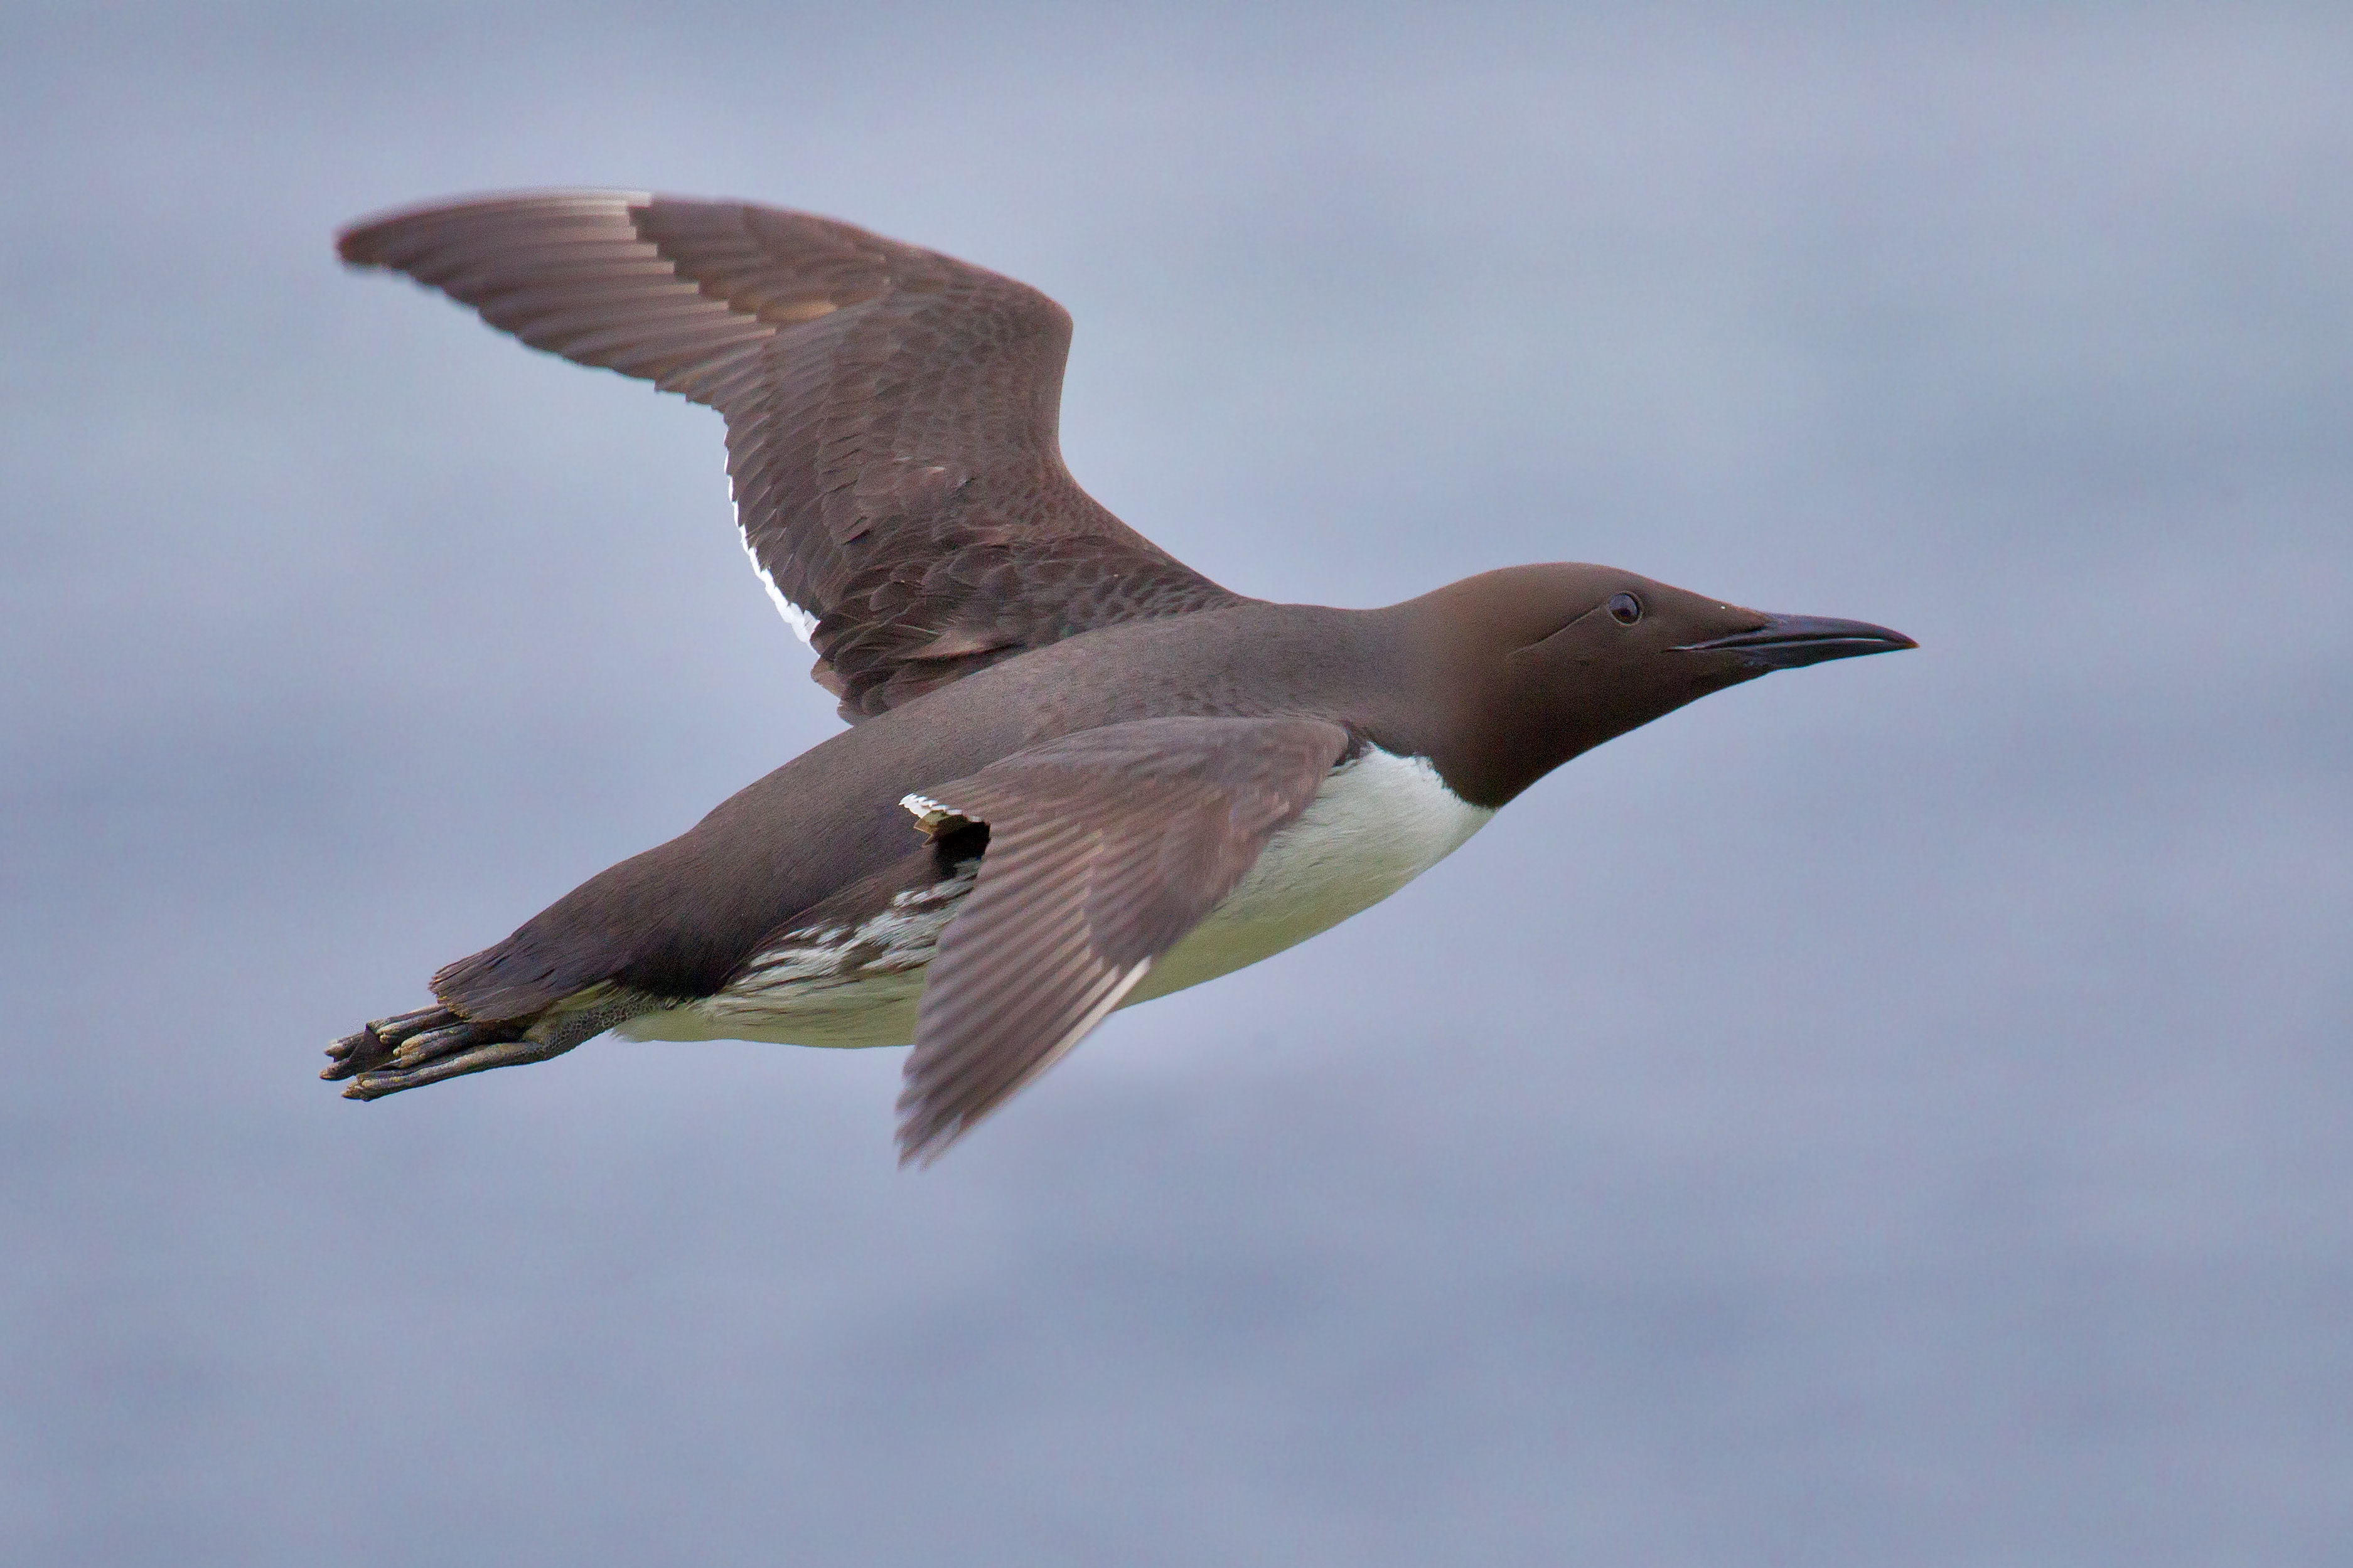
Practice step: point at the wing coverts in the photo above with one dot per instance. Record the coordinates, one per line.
(892, 414)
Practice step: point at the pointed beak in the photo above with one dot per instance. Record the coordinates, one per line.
(1786, 642)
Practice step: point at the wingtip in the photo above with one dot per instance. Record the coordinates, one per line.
(935, 1115)
(358, 243)
(920, 1156)
(925, 1134)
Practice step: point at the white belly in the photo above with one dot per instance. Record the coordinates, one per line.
(1378, 822)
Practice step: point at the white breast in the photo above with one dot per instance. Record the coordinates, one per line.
(1378, 822)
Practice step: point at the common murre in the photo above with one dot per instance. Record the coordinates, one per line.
(1080, 775)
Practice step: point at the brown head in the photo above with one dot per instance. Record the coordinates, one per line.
(1531, 665)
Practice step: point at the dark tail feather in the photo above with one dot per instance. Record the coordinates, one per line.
(508, 980)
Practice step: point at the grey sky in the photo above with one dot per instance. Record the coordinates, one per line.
(1895, 1113)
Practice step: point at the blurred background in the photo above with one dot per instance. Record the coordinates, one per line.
(1897, 1112)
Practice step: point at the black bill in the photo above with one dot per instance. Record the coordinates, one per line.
(1787, 642)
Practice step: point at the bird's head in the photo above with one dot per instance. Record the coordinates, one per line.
(1541, 663)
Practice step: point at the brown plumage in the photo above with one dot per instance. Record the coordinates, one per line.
(1127, 778)
(1106, 848)
(892, 414)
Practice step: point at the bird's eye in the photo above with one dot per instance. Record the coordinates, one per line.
(1625, 608)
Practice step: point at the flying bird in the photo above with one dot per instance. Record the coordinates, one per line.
(1079, 775)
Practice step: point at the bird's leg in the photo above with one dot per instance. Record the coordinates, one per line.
(459, 1046)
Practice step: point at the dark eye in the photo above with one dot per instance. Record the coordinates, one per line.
(1625, 608)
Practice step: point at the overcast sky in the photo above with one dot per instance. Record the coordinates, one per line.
(1897, 1112)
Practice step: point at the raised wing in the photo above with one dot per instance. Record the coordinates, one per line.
(1106, 848)
(892, 414)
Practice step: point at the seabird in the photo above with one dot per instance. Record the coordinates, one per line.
(1079, 775)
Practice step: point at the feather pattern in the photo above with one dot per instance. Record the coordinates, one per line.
(1106, 848)
(892, 414)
